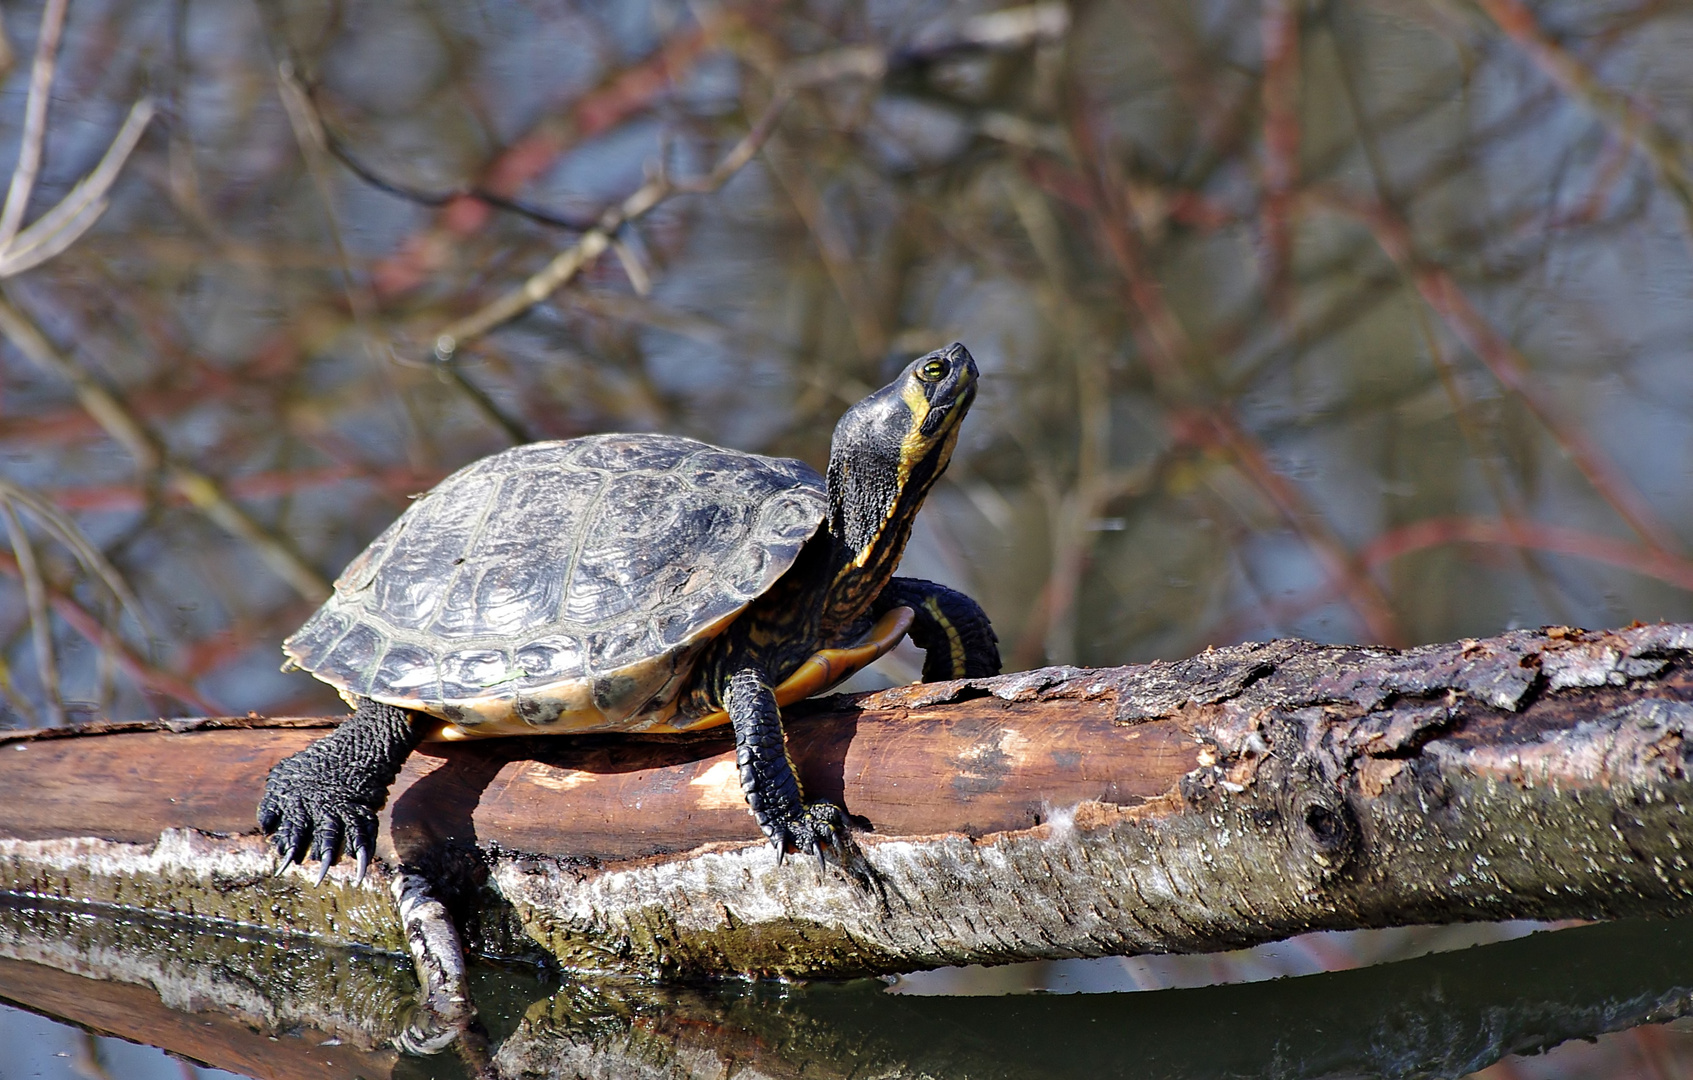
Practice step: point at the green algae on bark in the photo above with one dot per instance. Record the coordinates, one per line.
(216, 880)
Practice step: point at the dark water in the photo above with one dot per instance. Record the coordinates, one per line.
(271, 1010)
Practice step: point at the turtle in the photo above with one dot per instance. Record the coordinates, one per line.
(636, 583)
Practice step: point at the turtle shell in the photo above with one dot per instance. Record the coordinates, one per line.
(562, 586)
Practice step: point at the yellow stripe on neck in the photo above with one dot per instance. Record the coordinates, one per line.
(913, 447)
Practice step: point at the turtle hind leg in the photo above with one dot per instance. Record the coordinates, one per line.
(953, 631)
(323, 800)
(767, 775)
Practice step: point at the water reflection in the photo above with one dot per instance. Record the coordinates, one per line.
(270, 1009)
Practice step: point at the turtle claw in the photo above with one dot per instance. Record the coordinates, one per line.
(321, 803)
(289, 843)
(817, 829)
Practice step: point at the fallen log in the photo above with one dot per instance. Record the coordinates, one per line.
(1241, 796)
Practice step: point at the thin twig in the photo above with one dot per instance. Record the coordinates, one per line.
(626, 93)
(8, 689)
(138, 668)
(76, 213)
(339, 150)
(1535, 535)
(1507, 500)
(1518, 533)
(35, 120)
(593, 243)
(40, 622)
(1625, 118)
(832, 249)
(1279, 30)
(360, 297)
(596, 241)
(1442, 294)
(92, 560)
(1168, 352)
(205, 493)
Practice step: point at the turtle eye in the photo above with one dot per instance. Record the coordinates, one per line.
(932, 371)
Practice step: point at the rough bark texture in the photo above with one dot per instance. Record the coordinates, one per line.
(1240, 796)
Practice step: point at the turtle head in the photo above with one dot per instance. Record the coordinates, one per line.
(888, 450)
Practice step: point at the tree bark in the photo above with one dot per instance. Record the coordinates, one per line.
(1237, 797)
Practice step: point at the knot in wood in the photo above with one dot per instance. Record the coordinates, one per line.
(1320, 827)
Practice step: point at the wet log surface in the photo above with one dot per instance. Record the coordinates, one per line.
(1239, 796)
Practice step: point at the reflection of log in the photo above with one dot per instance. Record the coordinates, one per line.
(305, 1011)
(1240, 796)
(1444, 1015)
(220, 999)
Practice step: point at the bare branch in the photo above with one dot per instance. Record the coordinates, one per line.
(40, 623)
(139, 668)
(1447, 299)
(77, 212)
(150, 455)
(565, 266)
(338, 148)
(1626, 119)
(93, 562)
(35, 120)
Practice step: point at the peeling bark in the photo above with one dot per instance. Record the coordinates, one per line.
(1240, 796)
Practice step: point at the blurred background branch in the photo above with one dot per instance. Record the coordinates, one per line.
(1350, 320)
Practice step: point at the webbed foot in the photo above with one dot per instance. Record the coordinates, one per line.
(953, 631)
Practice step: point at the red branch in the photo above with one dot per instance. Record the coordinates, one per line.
(1279, 29)
(1446, 299)
(628, 92)
(1529, 534)
(90, 627)
(1167, 350)
(1435, 532)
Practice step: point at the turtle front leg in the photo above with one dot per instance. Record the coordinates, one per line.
(953, 631)
(324, 799)
(767, 774)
